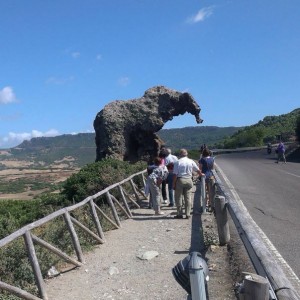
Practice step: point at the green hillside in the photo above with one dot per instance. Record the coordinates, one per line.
(270, 129)
(80, 147)
(194, 137)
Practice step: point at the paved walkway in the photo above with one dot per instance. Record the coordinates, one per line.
(115, 271)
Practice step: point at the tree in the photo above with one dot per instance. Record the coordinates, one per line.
(297, 130)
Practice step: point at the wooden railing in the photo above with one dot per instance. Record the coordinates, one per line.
(30, 239)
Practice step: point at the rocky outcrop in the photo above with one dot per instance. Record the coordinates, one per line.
(126, 130)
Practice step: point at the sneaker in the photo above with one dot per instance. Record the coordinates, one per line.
(165, 202)
(159, 213)
(178, 217)
(171, 205)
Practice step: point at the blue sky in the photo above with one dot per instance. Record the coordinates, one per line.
(61, 61)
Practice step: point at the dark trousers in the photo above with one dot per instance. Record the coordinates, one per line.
(164, 190)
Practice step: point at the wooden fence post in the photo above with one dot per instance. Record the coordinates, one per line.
(222, 220)
(96, 220)
(124, 200)
(74, 237)
(144, 180)
(114, 211)
(35, 265)
(134, 190)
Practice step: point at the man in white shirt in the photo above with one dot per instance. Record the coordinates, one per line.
(183, 183)
(170, 160)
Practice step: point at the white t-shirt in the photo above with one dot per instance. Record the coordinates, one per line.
(185, 167)
(170, 159)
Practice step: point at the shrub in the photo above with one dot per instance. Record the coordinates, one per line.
(97, 176)
(297, 130)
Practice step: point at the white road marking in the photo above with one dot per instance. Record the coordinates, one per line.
(298, 176)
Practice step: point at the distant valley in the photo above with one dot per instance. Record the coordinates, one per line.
(41, 164)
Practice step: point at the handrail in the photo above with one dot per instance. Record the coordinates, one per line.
(29, 238)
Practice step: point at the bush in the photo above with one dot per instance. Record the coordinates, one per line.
(297, 130)
(98, 176)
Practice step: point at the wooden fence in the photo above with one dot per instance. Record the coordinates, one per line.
(30, 239)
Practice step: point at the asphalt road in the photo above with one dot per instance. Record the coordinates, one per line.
(271, 194)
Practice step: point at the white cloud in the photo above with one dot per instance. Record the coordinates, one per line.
(59, 80)
(7, 95)
(123, 81)
(75, 54)
(202, 14)
(13, 139)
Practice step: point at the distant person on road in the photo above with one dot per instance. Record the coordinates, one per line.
(156, 177)
(183, 183)
(169, 162)
(206, 165)
(281, 152)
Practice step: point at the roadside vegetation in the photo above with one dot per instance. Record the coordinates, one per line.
(270, 129)
(298, 129)
(14, 265)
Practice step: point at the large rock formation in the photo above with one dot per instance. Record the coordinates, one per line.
(126, 129)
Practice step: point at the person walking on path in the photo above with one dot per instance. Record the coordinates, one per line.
(206, 165)
(169, 162)
(281, 152)
(159, 173)
(183, 183)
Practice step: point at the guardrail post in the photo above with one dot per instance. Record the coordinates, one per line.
(254, 287)
(197, 277)
(222, 220)
(192, 274)
(203, 194)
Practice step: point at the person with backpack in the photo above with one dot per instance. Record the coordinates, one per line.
(281, 152)
(156, 177)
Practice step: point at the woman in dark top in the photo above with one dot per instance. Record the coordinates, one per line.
(206, 165)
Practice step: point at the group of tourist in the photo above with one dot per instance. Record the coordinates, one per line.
(177, 173)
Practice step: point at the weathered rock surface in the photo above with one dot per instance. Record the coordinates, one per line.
(126, 130)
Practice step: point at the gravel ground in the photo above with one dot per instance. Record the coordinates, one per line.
(114, 270)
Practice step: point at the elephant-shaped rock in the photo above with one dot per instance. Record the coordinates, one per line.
(126, 130)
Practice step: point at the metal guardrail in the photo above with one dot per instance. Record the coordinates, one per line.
(264, 261)
(30, 239)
